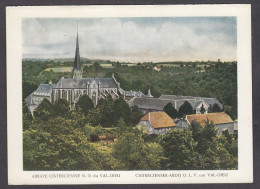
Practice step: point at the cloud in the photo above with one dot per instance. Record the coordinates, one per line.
(132, 39)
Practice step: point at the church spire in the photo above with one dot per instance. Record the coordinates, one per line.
(77, 64)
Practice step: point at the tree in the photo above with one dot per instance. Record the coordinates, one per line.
(62, 107)
(170, 110)
(27, 117)
(208, 134)
(185, 109)
(132, 153)
(106, 111)
(196, 130)
(121, 110)
(135, 116)
(216, 108)
(85, 104)
(44, 111)
(179, 150)
(202, 109)
(97, 67)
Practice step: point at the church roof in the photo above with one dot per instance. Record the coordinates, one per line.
(216, 118)
(82, 83)
(159, 119)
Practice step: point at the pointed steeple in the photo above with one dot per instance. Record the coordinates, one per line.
(77, 65)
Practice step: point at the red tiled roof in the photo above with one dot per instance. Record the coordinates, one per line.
(159, 119)
(216, 118)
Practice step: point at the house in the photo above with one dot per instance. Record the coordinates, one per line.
(157, 68)
(182, 124)
(156, 123)
(221, 120)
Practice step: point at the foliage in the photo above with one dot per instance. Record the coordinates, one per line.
(170, 110)
(216, 108)
(121, 110)
(27, 116)
(44, 111)
(179, 150)
(185, 109)
(202, 109)
(133, 153)
(62, 107)
(85, 104)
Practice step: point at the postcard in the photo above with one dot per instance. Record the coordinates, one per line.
(129, 94)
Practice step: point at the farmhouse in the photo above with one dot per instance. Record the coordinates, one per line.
(221, 120)
(156, 123)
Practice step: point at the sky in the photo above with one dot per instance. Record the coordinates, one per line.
(143, 39)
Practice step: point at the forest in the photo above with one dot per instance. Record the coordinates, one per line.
(57, 138)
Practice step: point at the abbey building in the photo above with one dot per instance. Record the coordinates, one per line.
(73, 88)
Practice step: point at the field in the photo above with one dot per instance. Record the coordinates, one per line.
(59, 69)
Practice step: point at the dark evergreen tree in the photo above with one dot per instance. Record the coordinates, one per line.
(196, 129)
(120, 110)
(84, 104)
(202, 109)
(170, 110)
(216, 108)
(62, 108)
(44, 111)
(185, 109)
(135, 116)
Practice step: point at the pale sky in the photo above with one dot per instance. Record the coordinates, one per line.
(132, 39)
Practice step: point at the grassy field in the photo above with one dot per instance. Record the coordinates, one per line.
(59, 69)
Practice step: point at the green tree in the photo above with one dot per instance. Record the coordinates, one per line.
(85, 104)
(44, 111)
(106, 111)
(62, 108)
(132, 153)
(170, 110)
(216, 108)
(202, 109)
(120, 110)
(185, 109)
(135, 116)
(196, 130)
(179, 150)
(27, 116)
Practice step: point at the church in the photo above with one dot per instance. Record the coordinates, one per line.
(73, 88)
(96, 88)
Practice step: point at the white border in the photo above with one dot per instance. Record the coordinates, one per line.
(16, 175)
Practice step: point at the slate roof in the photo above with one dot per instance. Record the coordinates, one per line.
(44, 89)
(217, 118)
(159, 120)
(29, 100)
(191, 99)
(82, 83)
(149, 103)
(134, 93)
